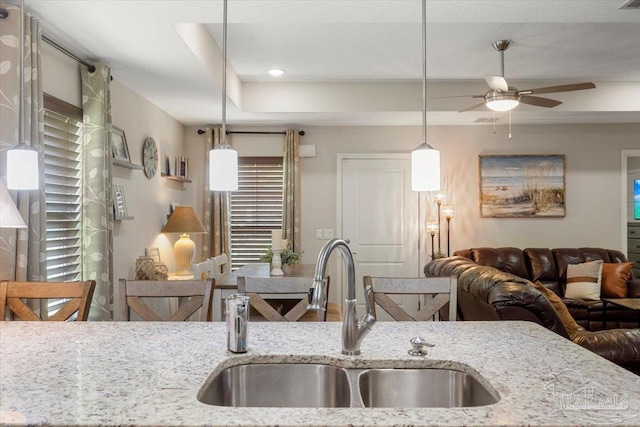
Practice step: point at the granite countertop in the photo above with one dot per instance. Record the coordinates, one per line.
(137, 373)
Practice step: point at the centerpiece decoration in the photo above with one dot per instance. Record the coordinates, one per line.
(281, 256)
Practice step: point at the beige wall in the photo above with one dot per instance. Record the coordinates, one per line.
(148, 199)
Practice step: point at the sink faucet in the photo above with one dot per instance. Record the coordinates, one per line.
(352, 331)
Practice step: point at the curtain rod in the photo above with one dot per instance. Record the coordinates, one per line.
(4, 13)
(91, 67)
(250, 132)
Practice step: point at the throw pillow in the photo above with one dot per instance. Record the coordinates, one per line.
(614, 279)
(563, 313)
(583, 280)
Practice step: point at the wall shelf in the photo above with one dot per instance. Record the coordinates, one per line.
(175, 178)
(126, 164)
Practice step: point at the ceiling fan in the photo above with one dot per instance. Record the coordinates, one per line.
(502, 97)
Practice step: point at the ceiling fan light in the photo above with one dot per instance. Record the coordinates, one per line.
(502, 104)
(425, 168)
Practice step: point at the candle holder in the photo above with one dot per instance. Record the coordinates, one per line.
(276, 263)
(432, 229)
(447, 211)
(439, 197)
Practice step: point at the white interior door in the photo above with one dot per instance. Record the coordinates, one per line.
(379, 216)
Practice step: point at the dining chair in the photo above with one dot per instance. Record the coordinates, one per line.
(257, 287)
(221, 266)
(443, 289)
(77, 294)
(203, 270)
(192, 295)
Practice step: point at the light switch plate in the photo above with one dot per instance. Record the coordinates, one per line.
(328, 233)
(318, 234)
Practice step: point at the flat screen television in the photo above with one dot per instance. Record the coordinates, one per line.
(636, 199)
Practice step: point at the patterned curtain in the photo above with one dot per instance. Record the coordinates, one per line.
(97, 238)
(22, 252)
(291, 189)
(217, 207)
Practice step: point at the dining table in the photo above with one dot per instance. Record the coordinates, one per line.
(227, 285)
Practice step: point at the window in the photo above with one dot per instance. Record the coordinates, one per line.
(63, 191)
(256, 208)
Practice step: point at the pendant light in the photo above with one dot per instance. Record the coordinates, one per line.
(22, 161)
(223, 160)
(425, 160)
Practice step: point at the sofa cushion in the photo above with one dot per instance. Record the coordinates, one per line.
(542, 267)
(563, 313)
(614, 279)
(509, 260)
(584, 280)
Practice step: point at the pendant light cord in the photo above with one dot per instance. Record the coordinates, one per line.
(21, 101)
(223, 136)
(424, 71)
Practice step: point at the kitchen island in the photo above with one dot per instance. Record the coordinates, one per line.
(138, 373)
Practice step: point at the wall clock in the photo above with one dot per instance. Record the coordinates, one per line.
(150, 157)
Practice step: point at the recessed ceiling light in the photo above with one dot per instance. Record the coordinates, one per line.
(276, 72)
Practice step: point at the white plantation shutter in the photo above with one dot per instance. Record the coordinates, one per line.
(63, 185)
(256, 208)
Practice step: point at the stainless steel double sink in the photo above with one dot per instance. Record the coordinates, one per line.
(316, 385)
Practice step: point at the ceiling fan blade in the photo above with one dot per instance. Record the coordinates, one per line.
(497, 82)
(455, 96)
(562, 88)
(539, 102)
(474, 107)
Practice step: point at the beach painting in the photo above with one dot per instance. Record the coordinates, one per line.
(522, 186)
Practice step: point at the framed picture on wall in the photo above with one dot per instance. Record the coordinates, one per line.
(119, 144)
(522, 186)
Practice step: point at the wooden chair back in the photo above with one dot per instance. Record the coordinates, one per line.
(13, 294)
(221, 266)
(257, 287)
(192, 296)
(443, 289)
(203, 270)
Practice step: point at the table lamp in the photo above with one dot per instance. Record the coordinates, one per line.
(183, 220)
(9, 215)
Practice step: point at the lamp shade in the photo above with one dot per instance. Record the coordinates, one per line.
(184, 220)
(9, 215)
(425, 168)
(223, 169)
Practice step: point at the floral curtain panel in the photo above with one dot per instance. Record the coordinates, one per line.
(97, 238)
(291, 189)
(22, 252)
(217, 207)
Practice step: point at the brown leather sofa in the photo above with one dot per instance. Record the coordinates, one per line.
(488, 293)
(549, 266)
